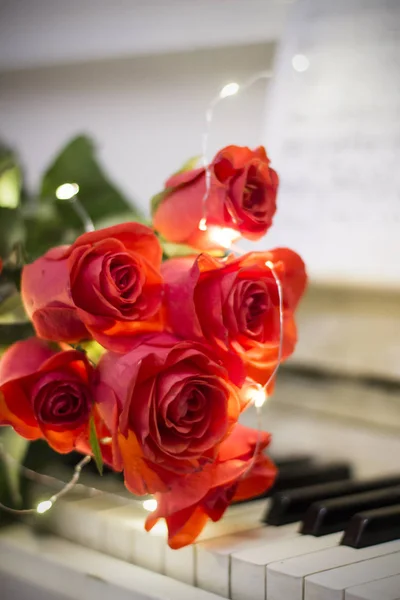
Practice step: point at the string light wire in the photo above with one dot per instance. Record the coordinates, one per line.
(260, 392)
(69, 192)
(45, 505)
(65, 192)
(231, 89)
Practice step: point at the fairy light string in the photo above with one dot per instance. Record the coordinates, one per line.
(44, 505)
(65, 192)
(69, 192)
(229, 90)
(225, 237)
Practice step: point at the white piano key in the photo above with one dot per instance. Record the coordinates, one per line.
(56, 564)
(285, 579)
(15, 588)
(382, 589)
(331, 584)
(213, 558)
(180, 564)
(115, 526)
(248, 570)
(126, 538)
(79, 520)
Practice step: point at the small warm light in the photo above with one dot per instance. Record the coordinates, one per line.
(106, 440)
(223, 236)
(203, 224)
(66, 191)
(300, 63)
(150, 504)
(44, 506)
(230, 89)
(259, 397)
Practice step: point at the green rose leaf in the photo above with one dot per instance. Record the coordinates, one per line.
(77, 163)
(189, 165)
(95, 446)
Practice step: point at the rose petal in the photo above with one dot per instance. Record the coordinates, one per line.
(133, 236)
(23, 358)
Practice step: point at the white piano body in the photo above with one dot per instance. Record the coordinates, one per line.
(338, 399)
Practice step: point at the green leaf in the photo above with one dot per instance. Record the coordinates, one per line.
(11, 308)
(175, 250)
(15, 446)
(93, 350)
(10, 185)
(189, 165)
(45, 228)
(12, 230)
(95, 446)
(77, 163)
(14, 332)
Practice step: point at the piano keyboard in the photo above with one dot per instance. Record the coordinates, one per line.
(243, 558)
(48, 568)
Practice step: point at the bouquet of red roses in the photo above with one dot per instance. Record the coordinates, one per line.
(182, 342)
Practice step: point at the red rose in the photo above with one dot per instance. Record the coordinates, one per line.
(106, 285)
(46, 394)
(206, 494)
(169, 404)
(234, 304)
(242, 196)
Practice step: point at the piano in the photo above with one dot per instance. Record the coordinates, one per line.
(330, 529)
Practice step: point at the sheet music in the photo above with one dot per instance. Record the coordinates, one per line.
(333, 133)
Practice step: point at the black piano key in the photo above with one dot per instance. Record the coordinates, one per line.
(290, 477)
(333, 515)
(287, 464)
(294, 461)
(373, 527)
(290, 506)
(311, 474)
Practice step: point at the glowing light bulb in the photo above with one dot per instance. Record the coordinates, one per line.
(223, 236)
(66, 191)
(106, 440)
(259, 397)
(203, 224)
(150, 504)
(300, 63)
(230, 89)
(44, 506)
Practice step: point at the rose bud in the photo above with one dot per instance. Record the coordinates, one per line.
(106, 285)
(169, 404)
(242, 197)
(234, 304)
(46, 394)
(198, 497)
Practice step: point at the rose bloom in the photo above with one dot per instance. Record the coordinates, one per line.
(46, 394)
(242, 197)
(106, 285)
(234, 304)
(206, 494)
(169, 404)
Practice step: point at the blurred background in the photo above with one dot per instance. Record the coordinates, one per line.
(130, 81)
